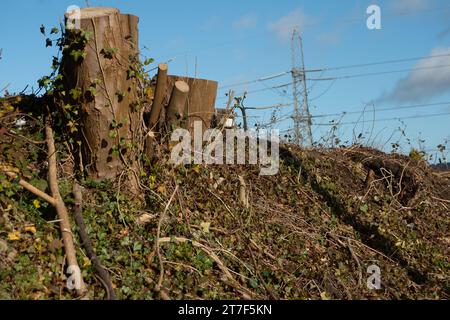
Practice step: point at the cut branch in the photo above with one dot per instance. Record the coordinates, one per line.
(87, 244)
(161, 87)
(176, 110)
(28, 186)
(61, 209)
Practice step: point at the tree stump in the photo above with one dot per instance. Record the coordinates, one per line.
(176, 111)
(200, 103)
(160, 91)
(99, 69)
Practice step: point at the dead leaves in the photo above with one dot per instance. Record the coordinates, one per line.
(145, 218)
(16, 234)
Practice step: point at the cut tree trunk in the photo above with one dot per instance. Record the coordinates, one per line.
(200, 104)
(154, 122)
(104, 81)
(161, 86)
(176, 111)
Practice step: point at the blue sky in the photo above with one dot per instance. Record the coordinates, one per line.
(238, 41)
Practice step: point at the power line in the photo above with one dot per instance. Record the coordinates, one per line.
(352, 66)
(324, 92)
(382, 109)
(377, 73)
(261, 90)
(285, 117)
(349, 77)
(386, 119)
(270, 107)
(276, 91)
(275, 121)
(265, 78)
(361, 65)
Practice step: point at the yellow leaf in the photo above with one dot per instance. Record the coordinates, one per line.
(324, 296)
(8, 168)
(205, 226)
(36, 203)
(149, 93)
(86, 262)
(31, 229)
(161, 189)
(14, 236)
(196, 169)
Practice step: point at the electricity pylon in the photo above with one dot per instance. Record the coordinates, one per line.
(301, 117)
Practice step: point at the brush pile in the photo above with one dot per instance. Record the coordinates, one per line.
(224, 232)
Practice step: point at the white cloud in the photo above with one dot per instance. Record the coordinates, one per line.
(429, 80)
(249, 20)
(409, 6)
(295, 19)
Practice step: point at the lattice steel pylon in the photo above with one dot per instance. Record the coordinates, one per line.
(301, 116)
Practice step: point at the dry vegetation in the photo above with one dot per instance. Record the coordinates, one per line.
(309, 232)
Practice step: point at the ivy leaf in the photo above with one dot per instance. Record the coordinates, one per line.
(364, 208)
(44, 81)
(42, 29)
(86, 35)
(77, 54)
(48, 43)
(41, 184)
(115, 151)
(92, 90)
(120, 96)
(149, 61)
(75, 93)
(54, 31)
(109, 53)
(137, 246)
(112, 134)
(55, 63)
(205, 226)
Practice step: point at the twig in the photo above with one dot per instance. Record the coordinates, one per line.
(28, 186)
(355, 257)
(439, 199)
(245, 292)
(158, 233)
(61, 209)
(103, 275)
(228, 209)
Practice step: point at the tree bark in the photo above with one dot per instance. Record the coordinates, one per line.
(66, 231)
(107, 82)
(176, 111)
(200, 104)
(155, 121)
(161, 87)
